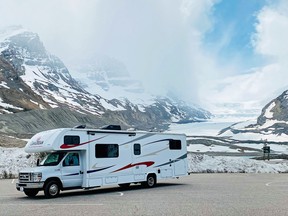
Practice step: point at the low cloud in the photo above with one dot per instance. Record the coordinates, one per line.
(159, 43)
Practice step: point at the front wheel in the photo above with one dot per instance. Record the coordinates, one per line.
(52, 189)
(31, 192)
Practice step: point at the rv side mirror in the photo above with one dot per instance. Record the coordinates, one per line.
(38, 162)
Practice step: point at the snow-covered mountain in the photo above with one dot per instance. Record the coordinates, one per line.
(272, 124)
(110, 79)
(40, 80)
(44, 73)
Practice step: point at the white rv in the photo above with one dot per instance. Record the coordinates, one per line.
(87, 158)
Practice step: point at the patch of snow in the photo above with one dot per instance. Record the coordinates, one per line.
(33, 102)
(213, 148)
(9, 105)
(110, 106)
(268, 113)
(200, 163)
(4, 84)
(207, 128)
(258, 136)
(114, 91)
(14, 159)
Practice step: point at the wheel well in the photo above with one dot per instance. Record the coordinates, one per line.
(54, 179)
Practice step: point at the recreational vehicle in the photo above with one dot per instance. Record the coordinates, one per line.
(87, 158)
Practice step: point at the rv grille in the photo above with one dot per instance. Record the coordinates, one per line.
(24, 177)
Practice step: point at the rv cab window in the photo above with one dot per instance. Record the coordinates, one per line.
(52, 159)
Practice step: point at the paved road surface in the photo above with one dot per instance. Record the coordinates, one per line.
(197, 194)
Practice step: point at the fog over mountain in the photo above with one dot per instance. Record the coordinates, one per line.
(210, 52)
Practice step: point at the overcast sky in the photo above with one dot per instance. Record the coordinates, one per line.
(182, 45)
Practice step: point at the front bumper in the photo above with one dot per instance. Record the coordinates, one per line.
(29, 185)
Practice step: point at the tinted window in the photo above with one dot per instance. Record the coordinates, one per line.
(175, 144)
(137, 149)
(71, 140)
(106, 150)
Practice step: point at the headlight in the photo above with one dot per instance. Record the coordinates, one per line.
(36, 177)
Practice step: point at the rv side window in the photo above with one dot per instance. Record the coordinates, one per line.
(71, 140)
(175, 144)
(137, 149)
(106, 150)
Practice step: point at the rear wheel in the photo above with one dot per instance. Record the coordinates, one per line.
(31, 192)
(52, 189)
(151, 181)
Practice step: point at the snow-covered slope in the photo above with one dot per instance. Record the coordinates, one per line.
(271, 125)
(210, 164)
(110, 79)
(44, 73)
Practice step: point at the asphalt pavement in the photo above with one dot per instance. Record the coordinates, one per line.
(197, 194)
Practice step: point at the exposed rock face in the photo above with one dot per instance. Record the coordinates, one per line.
(15, 95)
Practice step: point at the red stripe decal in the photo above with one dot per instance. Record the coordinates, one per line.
(147, 163)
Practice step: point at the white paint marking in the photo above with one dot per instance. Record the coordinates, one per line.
(277, 184)
(121, 194)
(12, 181)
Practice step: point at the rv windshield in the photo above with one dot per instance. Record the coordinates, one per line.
(52, 159)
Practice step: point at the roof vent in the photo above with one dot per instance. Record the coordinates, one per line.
(111, 127)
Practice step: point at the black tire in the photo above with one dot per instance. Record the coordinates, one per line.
(52, 189)
(150, 181)
(125, 185)
(31, 192)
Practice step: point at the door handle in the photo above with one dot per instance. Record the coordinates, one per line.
(81, 172)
